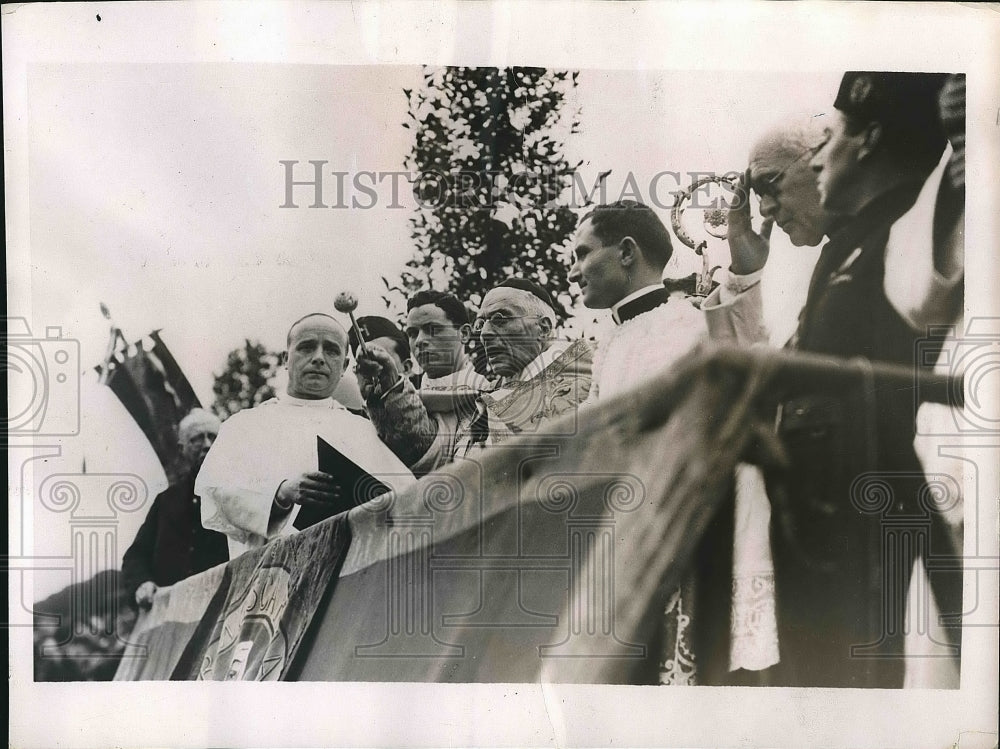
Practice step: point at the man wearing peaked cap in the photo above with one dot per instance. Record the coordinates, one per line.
(380, 331)
(840, 584)
(885, 133)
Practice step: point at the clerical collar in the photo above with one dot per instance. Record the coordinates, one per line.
(291, 400)
(638, 302)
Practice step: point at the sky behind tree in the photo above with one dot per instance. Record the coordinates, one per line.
(158, 190)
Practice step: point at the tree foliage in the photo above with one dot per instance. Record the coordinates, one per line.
(246, 380)
(488, 155)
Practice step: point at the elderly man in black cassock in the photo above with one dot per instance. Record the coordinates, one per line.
(171, 543)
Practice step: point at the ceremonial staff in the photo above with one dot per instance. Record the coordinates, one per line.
(345, 303)
(714, 222)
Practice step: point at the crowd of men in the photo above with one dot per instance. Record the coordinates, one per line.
(879, 183)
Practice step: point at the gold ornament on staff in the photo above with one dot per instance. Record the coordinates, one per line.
(715, 223)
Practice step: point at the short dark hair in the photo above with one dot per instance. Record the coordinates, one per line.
(628, 218)
(450, 304)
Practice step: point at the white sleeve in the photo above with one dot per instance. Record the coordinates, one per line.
(935, 305)
(236, 487)
(914, 287)
(734, 311)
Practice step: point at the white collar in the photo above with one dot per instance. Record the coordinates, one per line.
(290, 400)
(634, 295)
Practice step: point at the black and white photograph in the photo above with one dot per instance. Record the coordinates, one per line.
(482, 374)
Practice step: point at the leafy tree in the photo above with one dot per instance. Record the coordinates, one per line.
(246, 380)
(488, 155)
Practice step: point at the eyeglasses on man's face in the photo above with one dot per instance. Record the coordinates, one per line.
(771, 187)
(497, 321)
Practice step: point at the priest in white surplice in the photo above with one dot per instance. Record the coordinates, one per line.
(619, 253)
(262, 468)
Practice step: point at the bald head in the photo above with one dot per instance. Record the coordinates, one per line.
(781, 176)
(305, 318)
(317, 355)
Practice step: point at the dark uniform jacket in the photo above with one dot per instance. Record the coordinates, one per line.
(171, 543)
(850, 516)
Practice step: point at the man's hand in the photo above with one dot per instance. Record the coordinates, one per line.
(144, 595)
(313, 488)
(748, 249)
(376, 372)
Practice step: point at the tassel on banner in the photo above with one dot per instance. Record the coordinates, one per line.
(147, 380)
